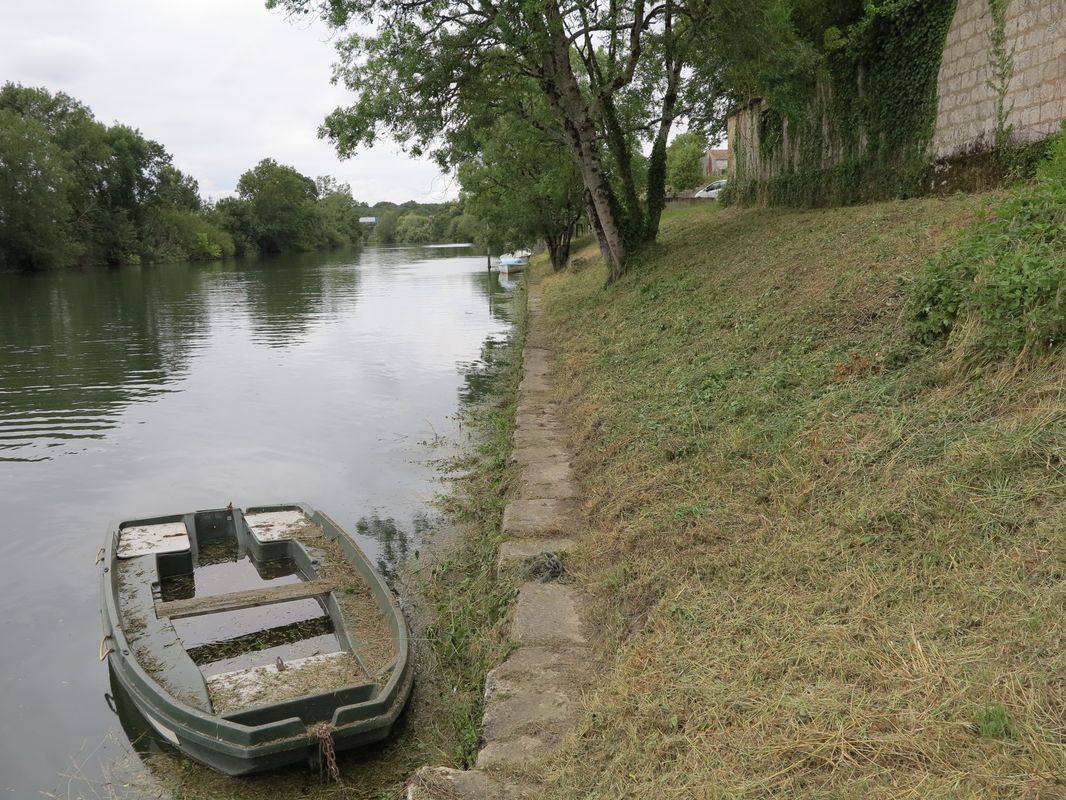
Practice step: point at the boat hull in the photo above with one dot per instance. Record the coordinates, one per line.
(267, 736)
(234, 756)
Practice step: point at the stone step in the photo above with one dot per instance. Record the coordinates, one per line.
(546, 614)
(540, 517)
(537, 415)
(535, 697)
(541, 454)
(443, 783)
(537, 382)
(547, 482)
(521, 750)
(537, 437)
(532, 701)
(514, 554)
(537, 359)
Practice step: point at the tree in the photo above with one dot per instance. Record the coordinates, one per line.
(431, 69)
(124, 185)
(175, 189)
(518, 186)
(116, 178)
(34, 183)
(462, 228)
(234, 216)
(684, 160)
(339, 212)
(442, 223)
(385, 230)
(414, 229)
(282, 206)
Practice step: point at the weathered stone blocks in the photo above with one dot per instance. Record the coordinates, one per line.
(539, 517)
(1036, 38)
(534, 698)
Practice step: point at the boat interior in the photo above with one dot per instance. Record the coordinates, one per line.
(231, 613)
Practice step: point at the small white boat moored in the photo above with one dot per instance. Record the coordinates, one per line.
(512, 263)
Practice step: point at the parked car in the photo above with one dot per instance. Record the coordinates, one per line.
(711, 190)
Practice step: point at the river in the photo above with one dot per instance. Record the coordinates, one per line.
(141, 391)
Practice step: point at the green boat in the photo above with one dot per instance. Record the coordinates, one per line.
(250, 640)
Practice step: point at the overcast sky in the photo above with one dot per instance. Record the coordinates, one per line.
(220, 83)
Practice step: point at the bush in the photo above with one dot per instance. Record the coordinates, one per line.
(413, 229)
(1007, 272)
(187, 236)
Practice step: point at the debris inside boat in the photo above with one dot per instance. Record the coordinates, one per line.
(247, 639)
(272, 683)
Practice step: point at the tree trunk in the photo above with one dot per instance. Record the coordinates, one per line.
(633, 213)
(564, 246)
(552, 243)
(656, 186)
(594, 223)
(582, 141)
(657, 160)
(559, 247)
(563, 93)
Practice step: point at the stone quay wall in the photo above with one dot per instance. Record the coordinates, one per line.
(969, 89)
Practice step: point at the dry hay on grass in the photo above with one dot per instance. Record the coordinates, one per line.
(371, 629)
(812, 581)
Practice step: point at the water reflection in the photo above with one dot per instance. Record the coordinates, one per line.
(76, 348)
(479, 377)
(289, 293)
(396, 544)
(142, 736)
(498, 291)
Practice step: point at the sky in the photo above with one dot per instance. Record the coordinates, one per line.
(221, 84)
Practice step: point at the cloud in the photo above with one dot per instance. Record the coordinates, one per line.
(49, 60)
(220, 83)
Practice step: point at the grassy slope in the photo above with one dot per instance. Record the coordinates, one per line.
(828, 563)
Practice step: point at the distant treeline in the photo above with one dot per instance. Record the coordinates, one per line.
(421, 223)
(74, 191)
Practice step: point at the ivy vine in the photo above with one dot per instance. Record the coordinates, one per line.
(860, 131)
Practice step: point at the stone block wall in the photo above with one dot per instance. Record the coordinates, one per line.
(1035, 98)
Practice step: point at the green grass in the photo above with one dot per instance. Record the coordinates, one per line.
(1004, 282)
(468, 600)
(993, 722)
(822, 554)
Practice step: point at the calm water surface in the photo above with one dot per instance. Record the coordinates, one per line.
(165, 389)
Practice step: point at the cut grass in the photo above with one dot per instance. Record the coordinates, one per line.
(827, 562)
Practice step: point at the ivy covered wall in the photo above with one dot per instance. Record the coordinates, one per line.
(1002, 79)
(861, 128)
(902, 95)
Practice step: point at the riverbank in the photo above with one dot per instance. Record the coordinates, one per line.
(826, 561)
(535, 696)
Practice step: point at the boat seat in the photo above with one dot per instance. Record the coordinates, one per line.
(250, 598)
(276, 525)
(153, 538)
